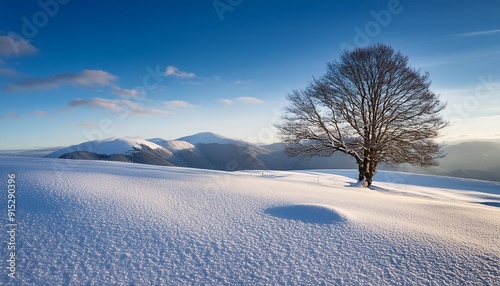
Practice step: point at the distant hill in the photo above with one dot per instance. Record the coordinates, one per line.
(208, 138)
(110, 146)
(473, 160)
(204, 150)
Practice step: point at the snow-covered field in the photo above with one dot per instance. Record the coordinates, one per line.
(109, 223)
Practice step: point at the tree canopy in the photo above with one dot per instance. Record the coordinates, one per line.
(371, 105)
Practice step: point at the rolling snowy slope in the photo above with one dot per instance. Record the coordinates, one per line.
(112, 223)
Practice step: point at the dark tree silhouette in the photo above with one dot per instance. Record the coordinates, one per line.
(371, 105)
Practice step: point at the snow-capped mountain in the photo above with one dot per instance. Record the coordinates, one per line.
(209, 138)
(133, 150)
(108, 147)
(475, 160)
(173, 145)
(204, 150)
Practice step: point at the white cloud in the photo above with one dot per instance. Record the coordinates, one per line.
(96, 102)
(175, 104)
(242, 99)
(114, 105)
(127, 93)
(86, 78)
(226, 101)
(8, 72)
(93, 77)
(479, 33)
(40, 113)
(12, 45)
(117, 105)
(242, 82)
(249, 100)
(175, 72)
(11, 73)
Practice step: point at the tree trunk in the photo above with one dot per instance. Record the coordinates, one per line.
(361, 171)
(367, 168)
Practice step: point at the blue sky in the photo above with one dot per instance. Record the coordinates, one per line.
(73, 70)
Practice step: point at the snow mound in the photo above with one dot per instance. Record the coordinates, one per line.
(307, 213)
(111, 223)
(208, 138)
(108, 146)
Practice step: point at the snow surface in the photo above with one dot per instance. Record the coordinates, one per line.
(208, 138)
(112, 223)
(175, 145)
(108, 146)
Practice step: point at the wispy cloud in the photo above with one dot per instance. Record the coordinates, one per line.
(40, 113)
(129, 106)
(479, 33)
(10, 73)
(12, 45)
(474, 55)
(109, 104)
(242, 99)
(242, 82)
(86, 78)
(117, 105)
(175, 72)
(178, 104)
(127, 93)
(226, 101)
(87, 125)
(13, 115)
(250, 100)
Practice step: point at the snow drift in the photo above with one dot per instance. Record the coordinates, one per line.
(111, 223)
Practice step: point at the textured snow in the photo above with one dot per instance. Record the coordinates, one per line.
(175, 145)
(108, 146)
(111, 223)
(208, 138)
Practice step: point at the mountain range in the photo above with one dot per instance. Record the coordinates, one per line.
(203, 150)
(474, 160)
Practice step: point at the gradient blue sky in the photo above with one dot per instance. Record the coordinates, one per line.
(74, 70)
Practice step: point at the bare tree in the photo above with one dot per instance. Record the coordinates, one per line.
(370, 105)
